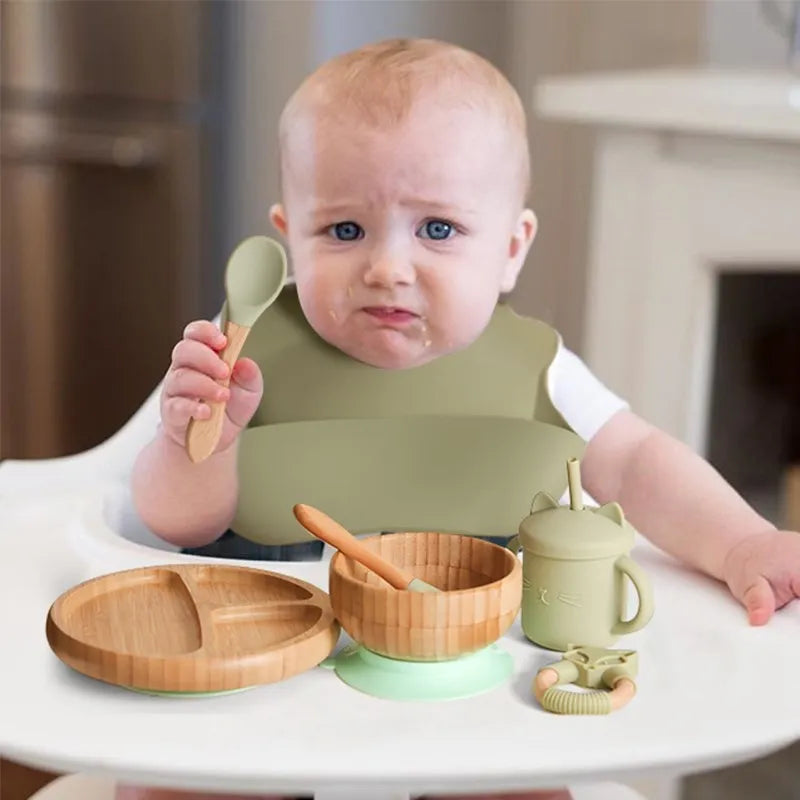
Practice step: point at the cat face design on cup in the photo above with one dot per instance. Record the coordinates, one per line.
(576, 567)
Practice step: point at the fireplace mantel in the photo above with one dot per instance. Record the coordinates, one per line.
(695, 172)
(763, 104)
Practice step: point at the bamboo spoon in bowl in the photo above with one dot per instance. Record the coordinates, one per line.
(330, 531)
(254, 277)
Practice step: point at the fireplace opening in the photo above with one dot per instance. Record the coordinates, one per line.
(754, 414)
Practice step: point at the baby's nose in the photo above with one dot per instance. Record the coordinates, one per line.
(388, 267)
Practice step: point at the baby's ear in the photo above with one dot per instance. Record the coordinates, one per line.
(521, 241)
(277, 216)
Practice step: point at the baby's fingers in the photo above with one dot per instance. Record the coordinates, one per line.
(247, 386)
(177, 411)
(189, 383)
(246, 375)
(759, 600)
(205, 332)
(194, 355)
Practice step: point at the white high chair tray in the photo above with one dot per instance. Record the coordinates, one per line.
(712, 691)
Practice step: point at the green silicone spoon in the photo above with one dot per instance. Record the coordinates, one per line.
(254, 277)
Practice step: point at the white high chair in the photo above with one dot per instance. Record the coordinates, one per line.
(77, 787)
(111, 462)
(93, 787)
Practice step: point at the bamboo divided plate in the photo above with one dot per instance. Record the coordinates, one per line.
(192, 627)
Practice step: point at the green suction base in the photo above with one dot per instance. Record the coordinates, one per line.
(394, 679)
(157, 693)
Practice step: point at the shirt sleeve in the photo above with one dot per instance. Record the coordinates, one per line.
(585, 403)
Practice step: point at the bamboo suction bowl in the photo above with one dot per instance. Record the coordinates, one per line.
(482, 592)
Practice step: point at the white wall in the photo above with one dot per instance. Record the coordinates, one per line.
(342, 25)
(549, 37)
(739, 35)
(276, 43)
(271, 46)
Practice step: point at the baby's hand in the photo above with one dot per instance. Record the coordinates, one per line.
(191, 381)
(763, 573)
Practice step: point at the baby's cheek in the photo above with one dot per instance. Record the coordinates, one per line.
(312, 304)
(446, 337)
(322, 322)
(329, 321)
(467, 318)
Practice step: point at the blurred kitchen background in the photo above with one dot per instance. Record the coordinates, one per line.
(138, 145)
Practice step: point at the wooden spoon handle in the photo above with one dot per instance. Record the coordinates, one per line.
(202, 435)
(330, 531)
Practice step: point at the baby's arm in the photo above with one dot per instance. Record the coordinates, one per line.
(683, 505)
(184, 503)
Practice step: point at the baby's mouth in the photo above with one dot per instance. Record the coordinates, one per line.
(392, 315)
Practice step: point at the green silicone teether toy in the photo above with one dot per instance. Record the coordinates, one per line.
(590, 668)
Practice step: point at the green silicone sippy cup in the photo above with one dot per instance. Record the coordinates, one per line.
(574, 564)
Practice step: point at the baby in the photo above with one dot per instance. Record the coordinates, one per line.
(404, 177)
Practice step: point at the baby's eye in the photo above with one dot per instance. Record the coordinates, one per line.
(437, 229)
(346, 231)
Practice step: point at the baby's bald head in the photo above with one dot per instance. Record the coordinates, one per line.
(380, 84)
(404, 169)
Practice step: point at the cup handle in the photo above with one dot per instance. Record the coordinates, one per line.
(513, 544)
(643, 588)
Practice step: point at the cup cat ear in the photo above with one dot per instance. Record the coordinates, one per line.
(612, 511)
(543, 502)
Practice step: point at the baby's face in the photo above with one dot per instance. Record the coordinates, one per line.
(402, 240)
